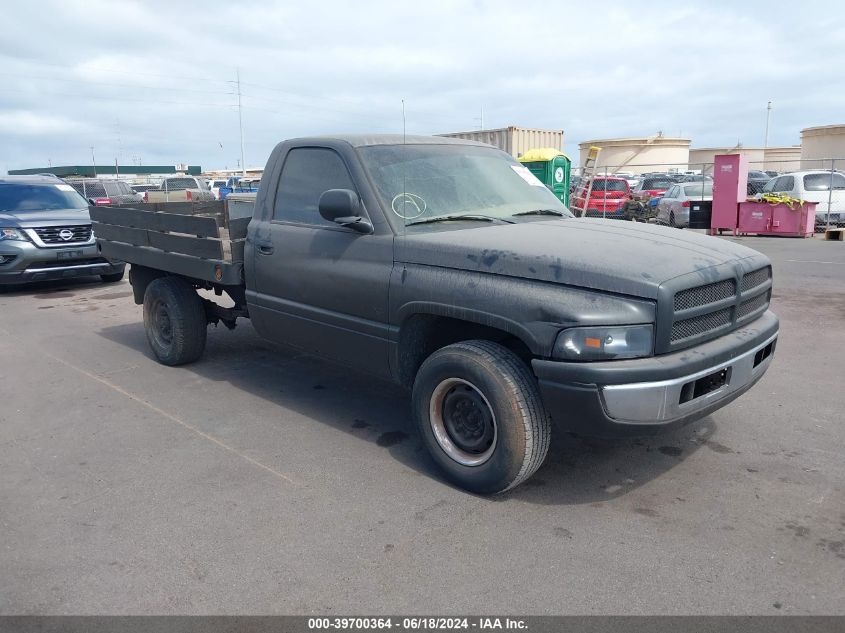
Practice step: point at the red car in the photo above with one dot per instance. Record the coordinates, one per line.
(653, 187)
(607, 199)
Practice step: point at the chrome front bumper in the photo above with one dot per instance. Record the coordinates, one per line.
(668, 400)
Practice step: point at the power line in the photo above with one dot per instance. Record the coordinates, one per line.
(84, 96)
(114, 85)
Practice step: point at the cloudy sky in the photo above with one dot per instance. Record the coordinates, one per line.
(153, 82)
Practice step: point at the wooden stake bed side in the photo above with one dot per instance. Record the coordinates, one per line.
(194, 240)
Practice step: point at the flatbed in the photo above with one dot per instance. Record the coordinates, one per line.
(199, 240)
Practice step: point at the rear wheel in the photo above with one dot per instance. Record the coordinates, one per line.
(174, 321)
(480, 415)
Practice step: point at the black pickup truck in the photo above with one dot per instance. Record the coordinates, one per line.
(445, 266)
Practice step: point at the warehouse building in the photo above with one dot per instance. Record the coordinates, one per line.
(514, 140)
(125, 172)
(639, 155)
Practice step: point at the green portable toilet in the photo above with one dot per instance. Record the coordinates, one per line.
(551, 167)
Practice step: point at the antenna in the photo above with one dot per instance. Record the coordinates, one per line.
(240, 120)
(404, 196)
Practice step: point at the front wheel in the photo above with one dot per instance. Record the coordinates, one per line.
(480, 415)
(111, 278)
(174, 321)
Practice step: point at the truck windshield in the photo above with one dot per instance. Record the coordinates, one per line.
(420, 182)
(26, 198)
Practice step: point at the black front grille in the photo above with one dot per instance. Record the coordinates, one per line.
(68, 262)
(749, 306)
(757, 278)
(704, 295)
(710, 310)
(701, 324)
(64, 234)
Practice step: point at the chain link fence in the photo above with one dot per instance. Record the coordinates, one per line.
(648, 192)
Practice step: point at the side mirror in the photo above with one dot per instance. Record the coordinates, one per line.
(343, 207)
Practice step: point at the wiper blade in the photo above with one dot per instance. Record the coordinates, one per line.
(468, 216)
(541, 212)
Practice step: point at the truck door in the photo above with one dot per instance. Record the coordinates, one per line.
(319, 286)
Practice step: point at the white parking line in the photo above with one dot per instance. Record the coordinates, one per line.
(171, 417)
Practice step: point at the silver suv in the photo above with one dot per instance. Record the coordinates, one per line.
(45, 233)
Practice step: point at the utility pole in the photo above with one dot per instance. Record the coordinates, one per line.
(768, 114)
(766, 136)
(240, 121)
(93, 161)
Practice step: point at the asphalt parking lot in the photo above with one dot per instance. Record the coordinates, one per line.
(263, 481)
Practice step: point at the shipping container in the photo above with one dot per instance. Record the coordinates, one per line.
(514, 140)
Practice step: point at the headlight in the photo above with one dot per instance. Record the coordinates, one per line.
(605, 343)
(13, 234)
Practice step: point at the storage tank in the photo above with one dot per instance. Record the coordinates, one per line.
(780, 159)
(514, 140)
(818, 143)
(639, 155)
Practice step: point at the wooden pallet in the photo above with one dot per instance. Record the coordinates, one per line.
(836, 234)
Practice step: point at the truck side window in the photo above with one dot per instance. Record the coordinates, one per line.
(307, 173)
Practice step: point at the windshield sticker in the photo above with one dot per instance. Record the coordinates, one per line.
(65, 188)
(525, 173)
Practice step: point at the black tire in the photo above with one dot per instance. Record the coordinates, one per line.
(463, 377)
(672, 218)
(112, 278)
(174, 320)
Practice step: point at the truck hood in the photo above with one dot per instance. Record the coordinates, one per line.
(621, 257)
(32, 219)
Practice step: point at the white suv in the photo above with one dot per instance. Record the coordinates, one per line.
(814, 186)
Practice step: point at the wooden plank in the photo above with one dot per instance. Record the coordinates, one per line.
(138, 237)
(232, 274)
(201, 226)
(195, 246)
(237, 228)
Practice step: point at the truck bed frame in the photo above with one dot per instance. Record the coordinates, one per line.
(197, 240)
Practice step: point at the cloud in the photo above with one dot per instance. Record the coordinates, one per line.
(155, 80)
(24, 123)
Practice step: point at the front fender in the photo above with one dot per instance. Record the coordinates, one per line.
(533, 311)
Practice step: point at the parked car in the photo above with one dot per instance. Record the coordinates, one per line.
(497, 309)
(607, 198)
(651, 187)
(756, 181)
(45, 233)
(814, 186)
(105, 191)
(673, 207)
(180, 189)
(771, 174)
(696, 178)
(215, 185)
(143, 188)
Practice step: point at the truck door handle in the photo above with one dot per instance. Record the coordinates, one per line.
(264, 249)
